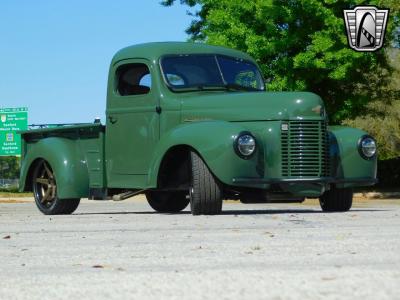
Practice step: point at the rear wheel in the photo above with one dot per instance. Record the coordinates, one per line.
(45, 192)
(167, 202)
(205, 193)
(337, 200)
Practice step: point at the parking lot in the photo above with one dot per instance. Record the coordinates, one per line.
(124, 250)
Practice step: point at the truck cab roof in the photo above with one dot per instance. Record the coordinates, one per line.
(153, 51)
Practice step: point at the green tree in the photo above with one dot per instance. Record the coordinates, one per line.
(300, 45)
(382, 119)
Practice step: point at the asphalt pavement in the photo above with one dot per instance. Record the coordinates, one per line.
(124, 250)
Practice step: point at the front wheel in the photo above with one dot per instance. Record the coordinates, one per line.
(336, 200)
(205, 193)
(45, 192)
(167, 202)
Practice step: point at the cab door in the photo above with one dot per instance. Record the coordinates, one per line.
(133, 123)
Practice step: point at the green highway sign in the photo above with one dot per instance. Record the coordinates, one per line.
(11, 121)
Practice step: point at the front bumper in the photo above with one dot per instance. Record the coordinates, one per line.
(362, 181)
(302, 187)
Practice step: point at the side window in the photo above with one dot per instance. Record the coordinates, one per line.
(133, 79)
(146, 80)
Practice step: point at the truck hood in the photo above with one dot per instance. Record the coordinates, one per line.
(252, 106)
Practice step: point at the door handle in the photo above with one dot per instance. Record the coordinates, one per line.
(112, 119)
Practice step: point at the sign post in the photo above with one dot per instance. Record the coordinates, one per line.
(11, 121)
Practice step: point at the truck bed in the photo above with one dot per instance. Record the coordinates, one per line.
(80, 146)
(62, 130)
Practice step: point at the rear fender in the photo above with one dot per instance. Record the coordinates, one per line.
(67, 162)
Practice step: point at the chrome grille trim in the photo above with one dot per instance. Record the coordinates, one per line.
(305, 149)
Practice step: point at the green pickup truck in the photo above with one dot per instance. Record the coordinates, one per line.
(193, 123)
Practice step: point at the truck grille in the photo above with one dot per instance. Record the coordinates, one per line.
(305, 149)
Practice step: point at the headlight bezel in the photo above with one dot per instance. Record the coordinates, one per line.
(360, 147)
(236, 145)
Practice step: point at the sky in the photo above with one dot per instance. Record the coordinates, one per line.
(55, 54)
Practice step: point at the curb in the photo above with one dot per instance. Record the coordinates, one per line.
(377, 195)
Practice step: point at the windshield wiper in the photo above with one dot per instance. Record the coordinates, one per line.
(198, 88)
(238, 87)
(228, 86)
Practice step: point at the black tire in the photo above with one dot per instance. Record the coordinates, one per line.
(205, 192)
(167, 202)
(45, 192)
(338, 200)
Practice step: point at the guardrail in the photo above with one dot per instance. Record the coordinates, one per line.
(9, 183)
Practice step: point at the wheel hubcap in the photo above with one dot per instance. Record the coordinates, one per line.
(45, 186)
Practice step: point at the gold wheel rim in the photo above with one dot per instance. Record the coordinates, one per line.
(46, 185)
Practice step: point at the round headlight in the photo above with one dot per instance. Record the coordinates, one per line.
(245, 145)
(367, 147)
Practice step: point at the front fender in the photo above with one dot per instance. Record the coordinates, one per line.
(67, 162)
(213, 140)
(346, 161)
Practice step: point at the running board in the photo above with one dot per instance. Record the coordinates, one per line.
(126, 195)
(130, 194)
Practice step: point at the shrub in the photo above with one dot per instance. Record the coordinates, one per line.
(383, 123)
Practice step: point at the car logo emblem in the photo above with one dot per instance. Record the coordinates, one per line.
(365, 27)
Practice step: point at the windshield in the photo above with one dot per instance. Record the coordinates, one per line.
(199, 72)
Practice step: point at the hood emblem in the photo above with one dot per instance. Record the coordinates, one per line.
(197, 119)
